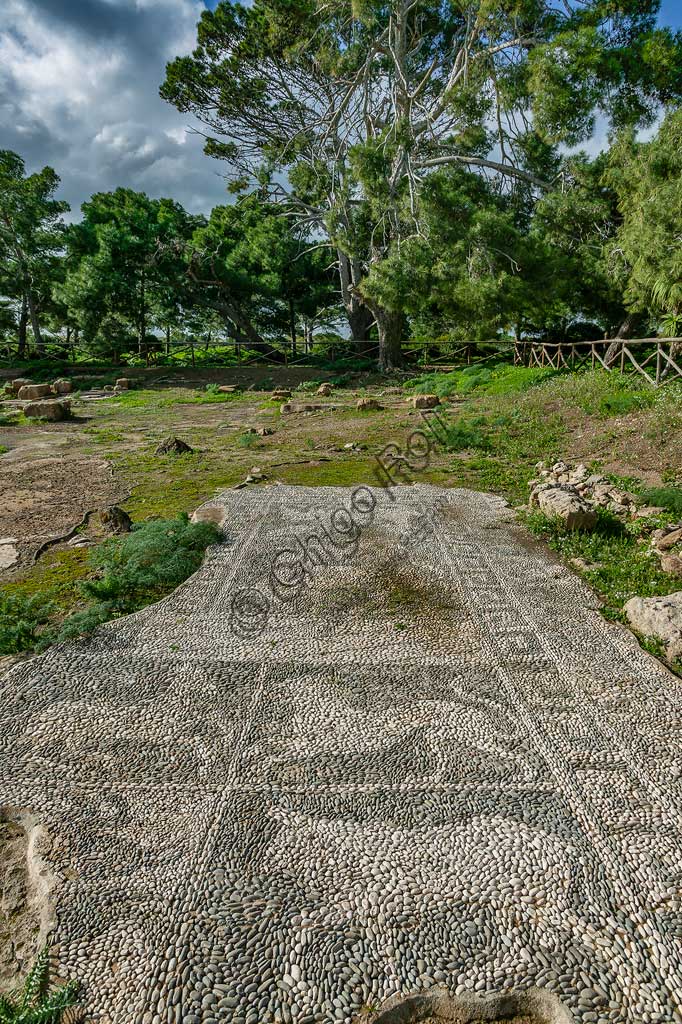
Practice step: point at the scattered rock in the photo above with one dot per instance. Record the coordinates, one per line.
(254, 476)
(124, 383)
(367, 403)
(209, 514)
(425, 401)
(54, 410)
(280, 394)
(265, 431)
(8, 552)
(116, 520)
(173, 446)
(228, 389)
(672, 563)
(595, 490)
(18, 383)
(62, 386)
(298, 407)
(667, 543)
(31, 392)
(325, 389)
(658, 617)
(565, 503)
(667, 537)
(647, 511)
(584, 565)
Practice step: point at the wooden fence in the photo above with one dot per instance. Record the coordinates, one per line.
(656, 359)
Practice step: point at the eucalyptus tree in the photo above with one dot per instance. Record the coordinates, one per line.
(31, 239)
(344, 110)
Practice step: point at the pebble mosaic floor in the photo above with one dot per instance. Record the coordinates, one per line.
(291, 789)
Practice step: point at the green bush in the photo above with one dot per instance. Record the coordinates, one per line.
(21, 619)
(152, 559)
(464, 434)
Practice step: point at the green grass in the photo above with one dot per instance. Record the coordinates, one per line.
(498, 379)
(626, 565)
(668, 498)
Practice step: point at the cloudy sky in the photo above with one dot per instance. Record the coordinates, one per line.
(79, 84)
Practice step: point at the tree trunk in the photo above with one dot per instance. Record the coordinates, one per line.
(23, 322)
(390, 326)
(360, 317)
(292, 327)
(624, 331)
(142, 328)
(168, 333)
(35, 324)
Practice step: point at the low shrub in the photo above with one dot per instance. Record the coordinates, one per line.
(21, 620)
(139, 567)
(129, 572)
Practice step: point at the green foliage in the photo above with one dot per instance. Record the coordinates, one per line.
(35, 1004)
(647, 247)
(21, 619)
(463, 434)
(247, 440)
(151, 560)
(669, 498)
(624, 564)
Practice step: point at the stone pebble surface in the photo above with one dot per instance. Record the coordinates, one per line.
(435, 765)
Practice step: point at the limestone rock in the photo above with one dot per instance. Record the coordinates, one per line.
(209, 514)
(31, 392)
(425, 401)
(566, 504)
(228, 389)
(265, 431)
(667, 538)
(116, 520)
(294, 407)
(173, 446)
(280, 394)
(62, 386)
(672, 563)
(8, 552)
(54, 410)
(367, 404)
(659, 617)
(18, 383)
(325, 390)
(124, 383)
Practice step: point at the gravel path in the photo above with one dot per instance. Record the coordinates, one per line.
(290, 789)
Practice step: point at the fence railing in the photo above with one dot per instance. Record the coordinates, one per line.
(656, 359)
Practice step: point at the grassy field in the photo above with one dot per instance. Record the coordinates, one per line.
(495, 425)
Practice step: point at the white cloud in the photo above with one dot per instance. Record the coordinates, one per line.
(79, 91)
